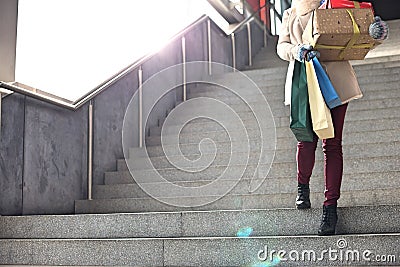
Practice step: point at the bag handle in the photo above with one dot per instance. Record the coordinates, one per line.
(312, 24)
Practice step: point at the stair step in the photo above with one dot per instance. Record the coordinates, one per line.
(363, 104)
(364, 249)
(377, 62)
(362, 68)
(282, 169)
(247, 96)
(80, 226)
(245, 251)
(352, 181)
(380, 62)
(232, 202)
(102, 252)
(262, 80)
(351, 137)
(373, 93)
(393, 76)
(280, 155)
(274, 93)
(275, 222)
(377, 73)
(389, 50)
(211, 127)
(263, 222)
(28, 265)
(386, 71)
(225, 147)
(281, 120)
(276, 86)
(195, 132)
(379, 91)
(389, 47)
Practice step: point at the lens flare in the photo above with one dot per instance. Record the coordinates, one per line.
(244, 232)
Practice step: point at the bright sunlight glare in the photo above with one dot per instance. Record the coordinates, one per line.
(68, 47)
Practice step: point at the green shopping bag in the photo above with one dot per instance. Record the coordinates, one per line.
(300, 116)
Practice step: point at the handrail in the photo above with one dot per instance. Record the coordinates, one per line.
(99, 89)
(45, 98)
(245, 21)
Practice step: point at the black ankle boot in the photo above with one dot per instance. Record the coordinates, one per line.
(303, 196)
(329, 220)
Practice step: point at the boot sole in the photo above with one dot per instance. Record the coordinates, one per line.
(303, 206)
(326, 234)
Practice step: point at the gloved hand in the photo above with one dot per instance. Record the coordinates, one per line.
(322, 4)
(379, 30)
(306, 52)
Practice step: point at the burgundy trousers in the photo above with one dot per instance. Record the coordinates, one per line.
(333, 158)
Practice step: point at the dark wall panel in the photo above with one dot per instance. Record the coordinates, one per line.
(242, 46)
(221, 46)
(195, 40)
(257, 36)
(11, 155)
(54, 158)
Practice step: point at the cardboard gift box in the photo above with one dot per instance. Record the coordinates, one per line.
(340, 34)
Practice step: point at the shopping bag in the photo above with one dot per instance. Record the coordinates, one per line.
(329, 93)
(320, 113)
(288, 83)
(300, 117)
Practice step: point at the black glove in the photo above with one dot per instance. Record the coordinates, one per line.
(379, 30)
(306, 52)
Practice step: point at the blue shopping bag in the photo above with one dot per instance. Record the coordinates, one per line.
(331, 98)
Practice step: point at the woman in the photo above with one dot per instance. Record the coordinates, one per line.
(291, 47)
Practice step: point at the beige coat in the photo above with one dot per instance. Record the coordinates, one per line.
(341, 73)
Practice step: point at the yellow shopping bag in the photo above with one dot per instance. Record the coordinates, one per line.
(320, 113)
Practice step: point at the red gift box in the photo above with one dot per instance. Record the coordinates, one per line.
(346, 4)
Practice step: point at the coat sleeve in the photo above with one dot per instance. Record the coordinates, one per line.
(285, 48)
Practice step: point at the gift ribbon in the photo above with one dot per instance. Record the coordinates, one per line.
(354, 38)
(351, 43)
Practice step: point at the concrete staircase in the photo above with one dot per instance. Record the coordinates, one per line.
(371, 149)
(125, 226)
